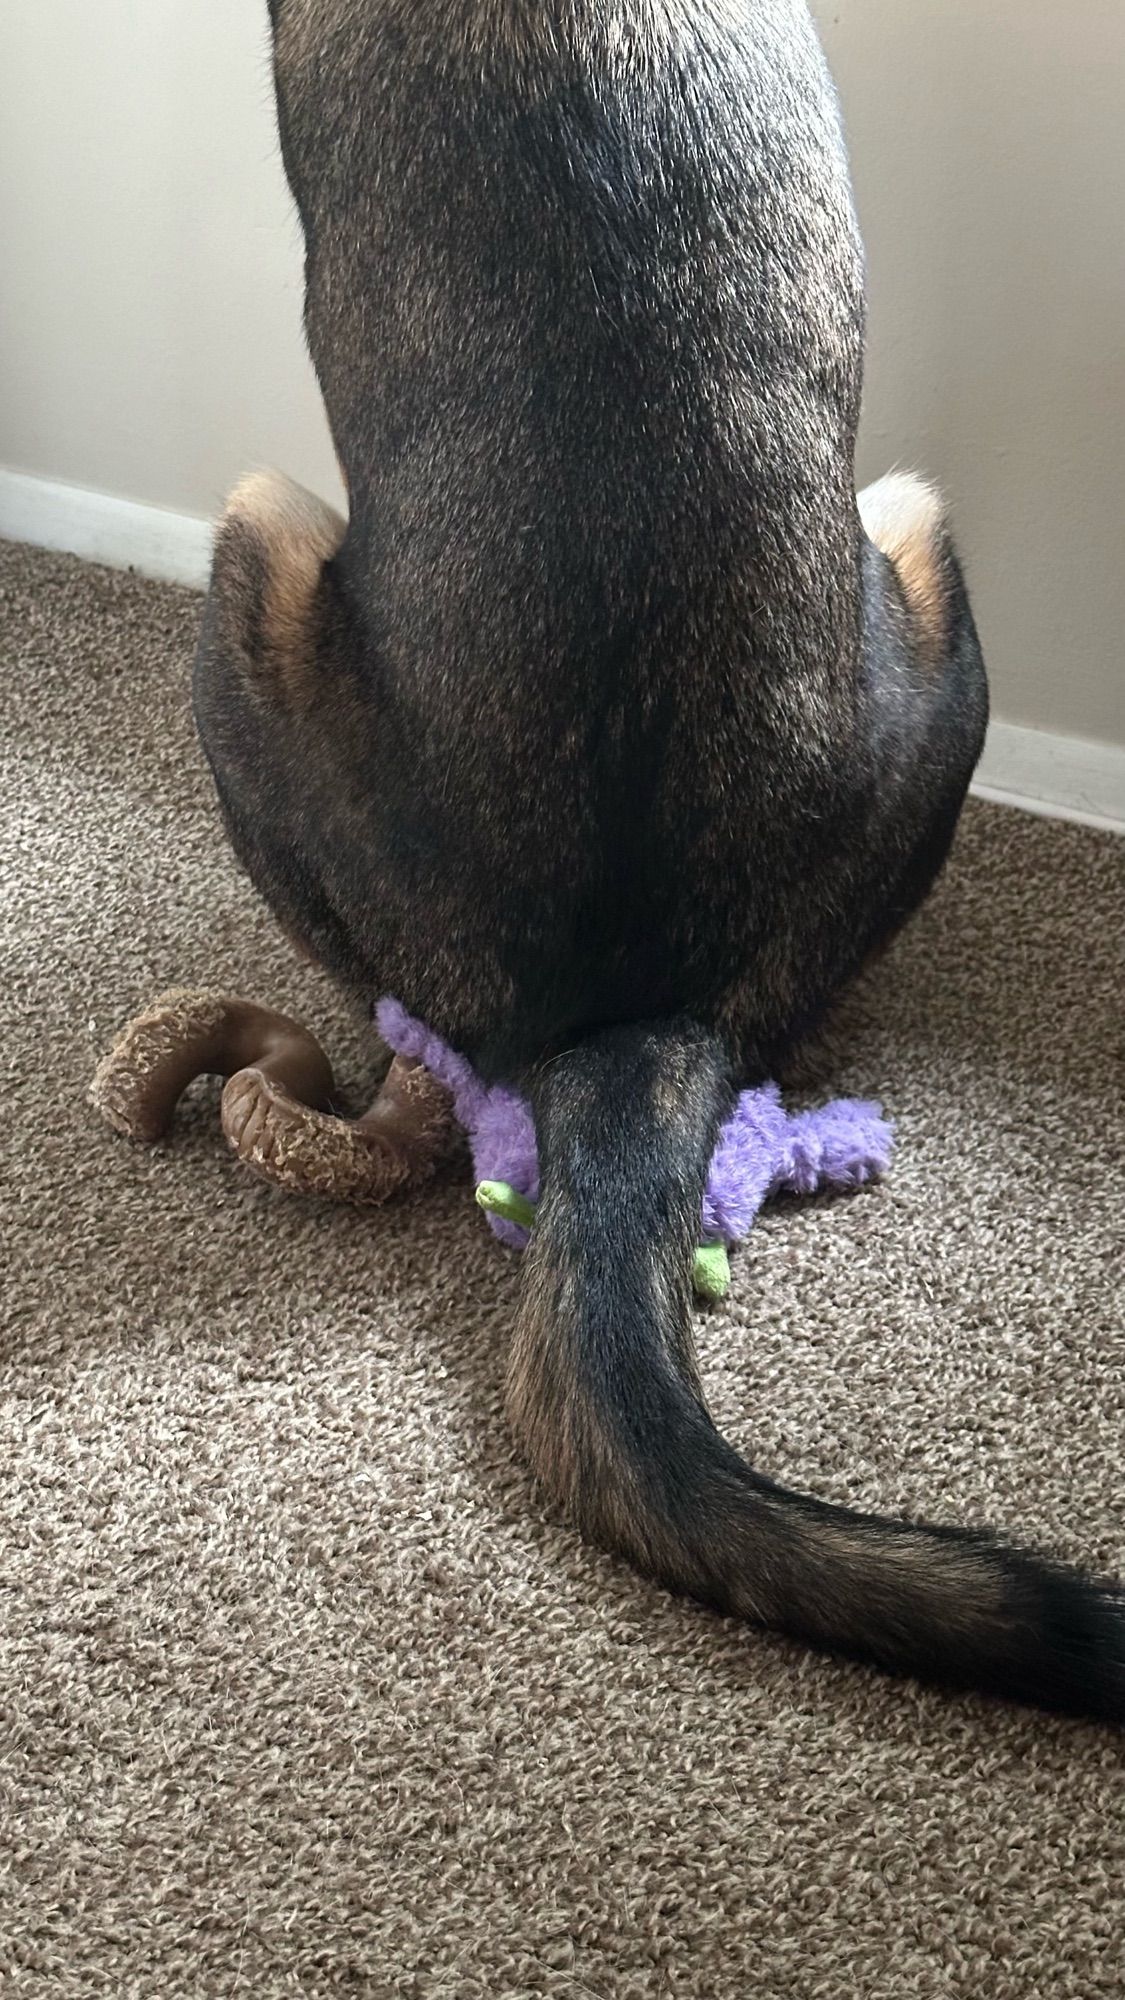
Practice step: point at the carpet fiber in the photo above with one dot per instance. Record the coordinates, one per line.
(303, 1689)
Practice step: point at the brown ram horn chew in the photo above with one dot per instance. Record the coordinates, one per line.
(275, 1107)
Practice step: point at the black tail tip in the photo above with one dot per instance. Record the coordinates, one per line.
(1066, 1643)
(1083, 1661)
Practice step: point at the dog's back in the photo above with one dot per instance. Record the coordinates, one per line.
(584, 294)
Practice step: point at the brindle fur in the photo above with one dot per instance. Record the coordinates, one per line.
(604, 735)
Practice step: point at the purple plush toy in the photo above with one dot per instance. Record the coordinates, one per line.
(762, 1149)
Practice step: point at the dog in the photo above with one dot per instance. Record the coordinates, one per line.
(611, 733)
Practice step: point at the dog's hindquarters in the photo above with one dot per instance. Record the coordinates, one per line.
(268, 585)
(922, 684)
(271, 692)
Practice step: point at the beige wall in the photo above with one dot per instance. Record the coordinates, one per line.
(150, 270)
(150, 262)
(988, 148)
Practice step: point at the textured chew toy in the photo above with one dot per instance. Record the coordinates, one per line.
(276, 1106)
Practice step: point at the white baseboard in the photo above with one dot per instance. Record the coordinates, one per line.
(126, 534)
(1063, 777)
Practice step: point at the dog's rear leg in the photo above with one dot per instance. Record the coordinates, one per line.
(269, 688)
(272, 691)
(268, 589)
(925, 688)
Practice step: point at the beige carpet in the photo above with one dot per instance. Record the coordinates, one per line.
(302, 1690)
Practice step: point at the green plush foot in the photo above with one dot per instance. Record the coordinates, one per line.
(710, 1271)
(497, 1198)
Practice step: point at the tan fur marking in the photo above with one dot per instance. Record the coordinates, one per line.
(905, 518)
(563, 1433)
(298, 534)
(545, 1414)
(877, 1565)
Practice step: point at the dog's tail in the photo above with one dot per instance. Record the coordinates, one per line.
(604, 1395)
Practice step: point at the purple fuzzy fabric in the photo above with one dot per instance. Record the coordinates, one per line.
(762, 1149)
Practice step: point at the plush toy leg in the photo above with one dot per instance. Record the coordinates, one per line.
(275, 1107)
